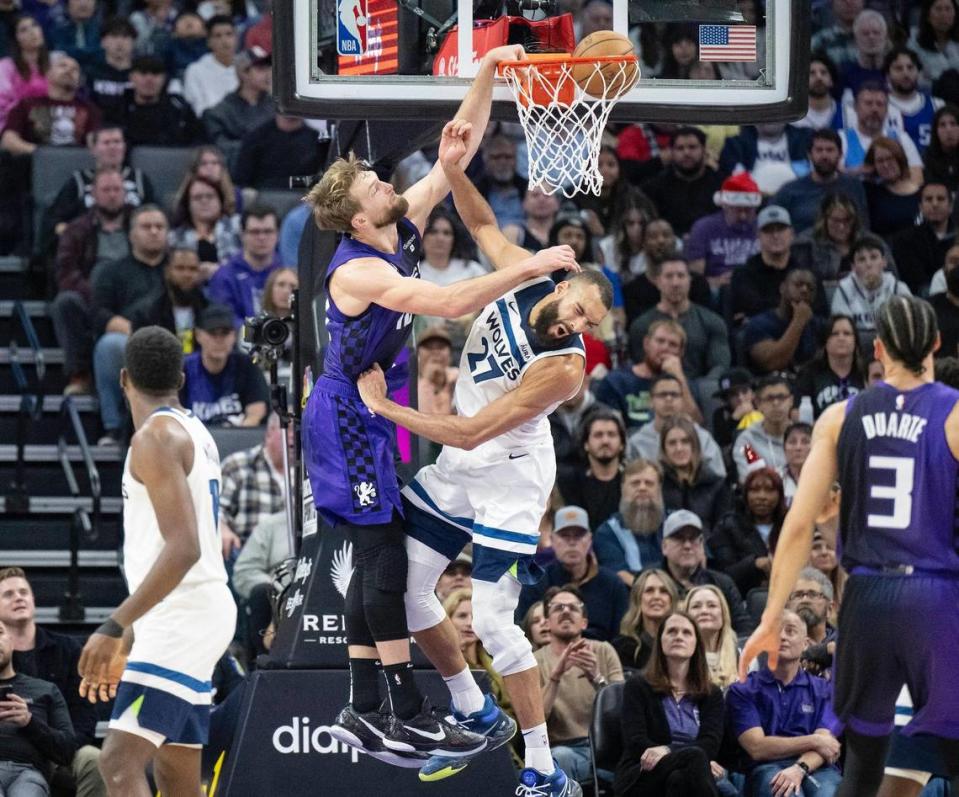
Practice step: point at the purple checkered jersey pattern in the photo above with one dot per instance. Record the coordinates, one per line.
(349, 452)
(899, 480)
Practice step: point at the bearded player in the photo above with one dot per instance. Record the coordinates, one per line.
(524, 356)
(373, 292)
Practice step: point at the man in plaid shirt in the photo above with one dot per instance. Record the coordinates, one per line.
(252, 487)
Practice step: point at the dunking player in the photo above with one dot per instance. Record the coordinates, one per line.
(180, 616)
(372, 294)
(523, 356)
(894, 450)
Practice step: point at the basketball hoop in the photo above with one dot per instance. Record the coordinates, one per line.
(563, 104)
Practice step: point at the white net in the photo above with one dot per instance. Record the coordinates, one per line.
(563, 121)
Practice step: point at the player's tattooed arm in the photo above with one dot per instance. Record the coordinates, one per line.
(545, 383)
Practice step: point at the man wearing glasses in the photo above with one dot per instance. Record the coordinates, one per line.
(684, 553)
(812, 600)
(774, 399)
(572, 669)
(239, 282)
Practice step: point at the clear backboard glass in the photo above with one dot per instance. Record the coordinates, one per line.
(701, 60)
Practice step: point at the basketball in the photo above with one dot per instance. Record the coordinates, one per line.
(607, 81)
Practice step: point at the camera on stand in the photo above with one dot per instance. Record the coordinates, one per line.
(266, 335)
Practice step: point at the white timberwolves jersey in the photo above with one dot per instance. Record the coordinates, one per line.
(142, 541)
(499, 349)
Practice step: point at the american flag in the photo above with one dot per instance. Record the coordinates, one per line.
(727, 43)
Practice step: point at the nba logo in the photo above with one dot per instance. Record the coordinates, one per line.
(351, 27)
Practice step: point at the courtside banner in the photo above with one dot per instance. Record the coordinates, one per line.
(283, 745)
(312, 632)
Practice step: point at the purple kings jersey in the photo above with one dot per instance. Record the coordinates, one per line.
(349, 452)
(899, 480)
(378, 335)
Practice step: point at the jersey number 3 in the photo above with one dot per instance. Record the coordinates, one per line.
(900, 493)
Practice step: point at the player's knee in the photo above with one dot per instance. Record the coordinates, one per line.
(119, 770)
(423, 608)
(502, 639)
(384, 573)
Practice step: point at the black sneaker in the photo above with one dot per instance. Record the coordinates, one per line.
(432, 733)
(365, 732)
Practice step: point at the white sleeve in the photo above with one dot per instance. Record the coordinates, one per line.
(938, 283)
(912, 154)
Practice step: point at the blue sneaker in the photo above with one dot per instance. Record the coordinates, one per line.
(533, 783)
(490, 721)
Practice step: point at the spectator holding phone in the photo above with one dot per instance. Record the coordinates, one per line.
(35, 728)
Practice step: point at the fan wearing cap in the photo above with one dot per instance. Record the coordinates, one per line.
(208, 80)
(436, 377)
(755, 286)
(249, 106)
(222, 387)
(152, 117)
(726, 239)
(604, 594)
(738, 409)
(684, 554)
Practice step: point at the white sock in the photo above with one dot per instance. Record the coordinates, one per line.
(467, 697)
(538, 755)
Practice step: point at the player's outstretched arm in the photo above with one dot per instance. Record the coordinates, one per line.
(474, 110)
(372, 281)
(545, 383)
(795, 541)
(474, 210)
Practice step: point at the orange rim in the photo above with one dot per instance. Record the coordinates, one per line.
(544, 59)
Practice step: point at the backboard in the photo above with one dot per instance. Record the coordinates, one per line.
(403, 59)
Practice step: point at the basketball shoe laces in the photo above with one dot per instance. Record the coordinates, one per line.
(522, 790)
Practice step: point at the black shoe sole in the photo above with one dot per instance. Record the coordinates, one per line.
(341, 734)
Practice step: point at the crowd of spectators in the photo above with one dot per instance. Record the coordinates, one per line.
(742, 310)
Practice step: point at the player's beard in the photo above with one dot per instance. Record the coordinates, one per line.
(641, 517)
(548, 316)
(395, 212)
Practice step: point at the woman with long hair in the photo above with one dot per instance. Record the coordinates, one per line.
(936, 38)
(687, 484)
(941, 158)
(459, 608)
(827, 246)
(652, 597)
(615, 195)
(682, 51)
(201, 222)
(707, 606)
(535, 627)
(278, 291)
(445, 250)
(622, 250)
(837, 371)
(672, 719)
(893, 193)
(743, 542)
(210, 162)
(23, 73)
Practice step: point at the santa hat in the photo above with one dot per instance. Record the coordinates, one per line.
(739, 191)
(753, 460)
